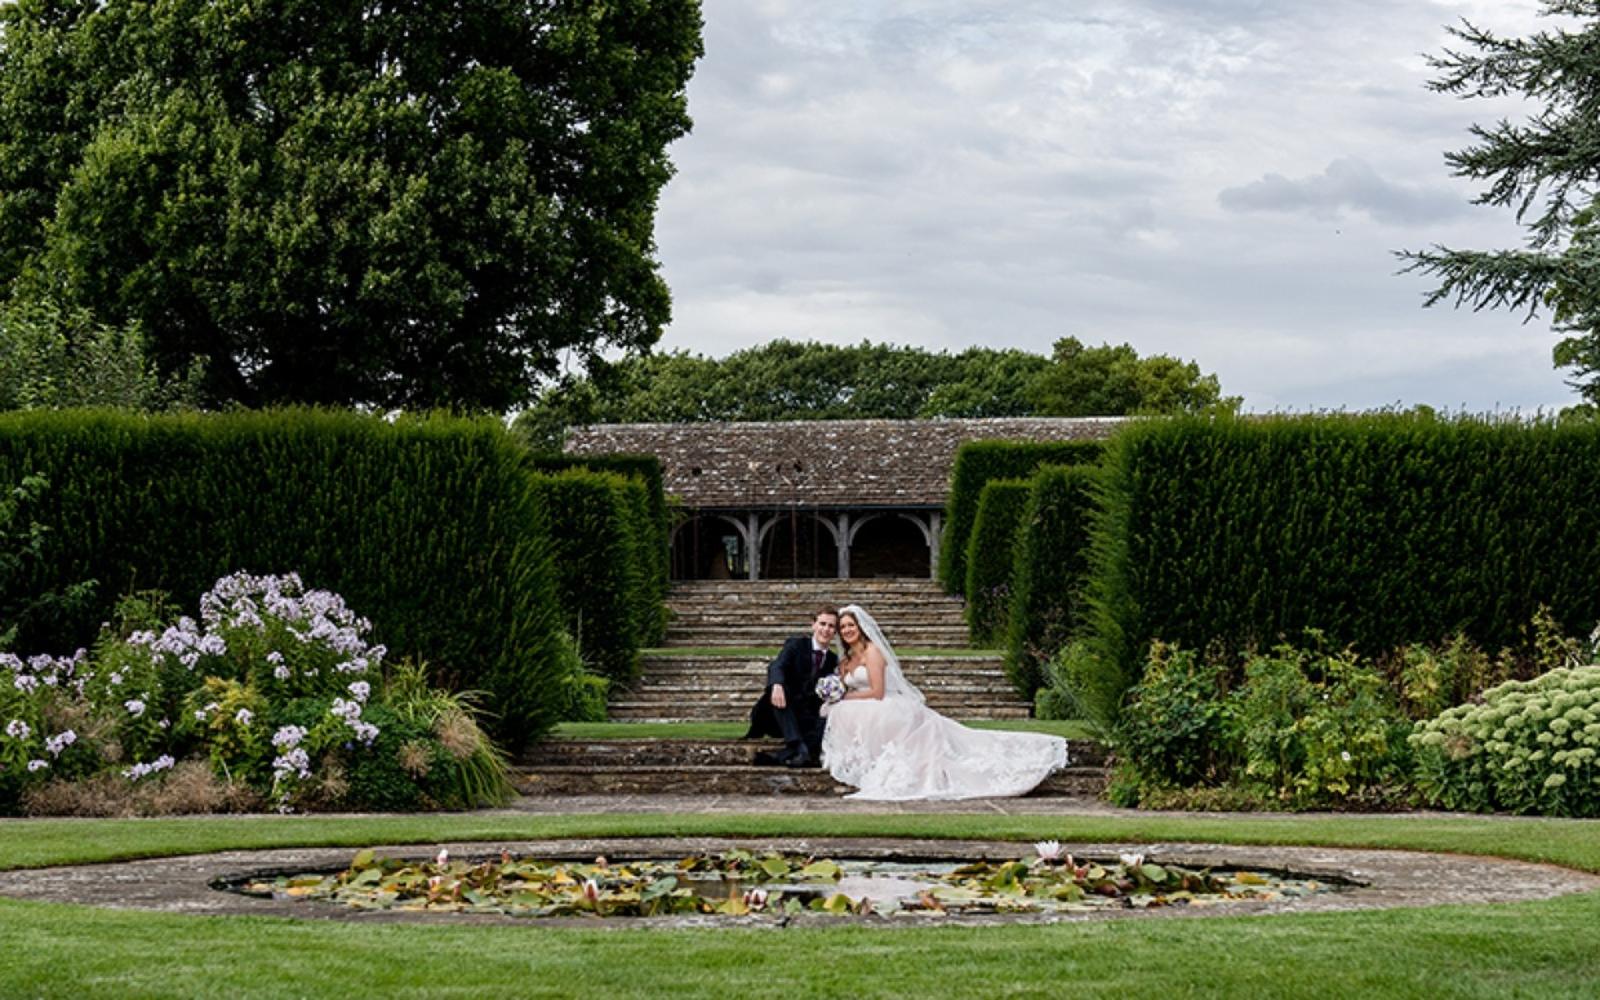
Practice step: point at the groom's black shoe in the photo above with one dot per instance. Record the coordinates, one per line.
(771, 758)
(801, 758)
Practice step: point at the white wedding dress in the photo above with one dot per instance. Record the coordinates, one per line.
(897, 748)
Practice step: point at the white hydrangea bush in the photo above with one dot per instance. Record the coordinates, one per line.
(1524, 746)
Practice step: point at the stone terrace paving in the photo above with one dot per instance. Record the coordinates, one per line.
(691, 681)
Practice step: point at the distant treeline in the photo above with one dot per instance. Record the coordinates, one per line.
(785, 380)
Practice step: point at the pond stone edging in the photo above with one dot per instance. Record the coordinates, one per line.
(1385, 878)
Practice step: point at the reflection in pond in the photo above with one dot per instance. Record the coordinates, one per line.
(738, 883)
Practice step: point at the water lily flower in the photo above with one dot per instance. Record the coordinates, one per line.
(591, 891)
(756, 899)
(1049, 851)
(443, 858)
(1131, 860)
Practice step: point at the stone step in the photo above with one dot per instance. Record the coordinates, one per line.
(987, 678)
(816, 585)
(1071, 782)
(675, 710)
(774, 635)
(663, 688)
(698, 753)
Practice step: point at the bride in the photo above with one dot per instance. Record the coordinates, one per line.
(884, 740)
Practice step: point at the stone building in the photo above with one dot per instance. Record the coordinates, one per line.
(810, 499)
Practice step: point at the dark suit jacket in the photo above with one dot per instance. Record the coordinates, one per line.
(792, 668)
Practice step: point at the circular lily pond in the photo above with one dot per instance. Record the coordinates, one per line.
(739, 883)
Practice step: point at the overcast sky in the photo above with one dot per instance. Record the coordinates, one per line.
(1222, 180)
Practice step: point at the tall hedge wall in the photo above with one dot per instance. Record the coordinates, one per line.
(598, 524)
(656, 548)
(1378, 530)
(1049, 571)
(989, 558)
(428, 527)
(979, 462)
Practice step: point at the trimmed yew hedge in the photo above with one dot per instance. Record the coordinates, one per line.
(429, 527)
(980, 462)
(654, 548)
(599, 529)
(1049, 571)
(989, 558)
(1378, 530)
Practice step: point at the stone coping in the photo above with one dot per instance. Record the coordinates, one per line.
(1384, 878)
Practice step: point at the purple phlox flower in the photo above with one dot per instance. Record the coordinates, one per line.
(349, 711)
(165, 724)
(243, 716)
(288, 736)
(18, 730)
(377, 653)
(361, 690)
(142, 637)
(295, 761)
(134, 706)
(281, 672)
(366, 732)
(59, 742)
(26, 683)
(137, 771)
(38, 765)
(115, 679)
(274, 657)
(50, 679)
(41, 662)
(12, 662)
(213, 645)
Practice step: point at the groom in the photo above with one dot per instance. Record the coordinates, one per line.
(789, 707)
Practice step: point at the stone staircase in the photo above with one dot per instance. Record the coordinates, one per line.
(723, 767)
(913, 613)
(713, 668)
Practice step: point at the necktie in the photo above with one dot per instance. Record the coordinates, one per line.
(816, 660)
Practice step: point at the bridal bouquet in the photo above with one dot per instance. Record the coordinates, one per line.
(830, 688)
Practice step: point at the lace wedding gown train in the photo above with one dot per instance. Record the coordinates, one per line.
(898, 749)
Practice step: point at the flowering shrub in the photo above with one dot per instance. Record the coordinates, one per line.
(277, 686)
(1526, 746)
(1304, 728)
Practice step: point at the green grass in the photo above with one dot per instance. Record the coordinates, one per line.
(1549, 948)
(734, 730)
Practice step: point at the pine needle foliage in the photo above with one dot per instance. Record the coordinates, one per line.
(1377, 530)
(1543, 168)
(429, 525)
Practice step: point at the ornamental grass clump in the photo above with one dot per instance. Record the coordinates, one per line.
(1525, 747)
(275, 686)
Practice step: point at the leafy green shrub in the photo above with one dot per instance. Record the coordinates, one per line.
(431, 524)
(1526, 747)
(602, 588)
(979, 462)
(278, 687)
(1382, 530)
(1299, 727)
(991, 553)
(1176, 730)
(1051, 562)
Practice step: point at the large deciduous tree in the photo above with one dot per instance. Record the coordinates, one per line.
(1546, 168)
(384, 202)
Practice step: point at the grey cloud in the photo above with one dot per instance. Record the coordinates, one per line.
(1348, 184)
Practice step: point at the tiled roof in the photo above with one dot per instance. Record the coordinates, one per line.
(819, 463)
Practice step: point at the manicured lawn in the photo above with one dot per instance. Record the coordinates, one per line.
(733, 730)
(1549, 948)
